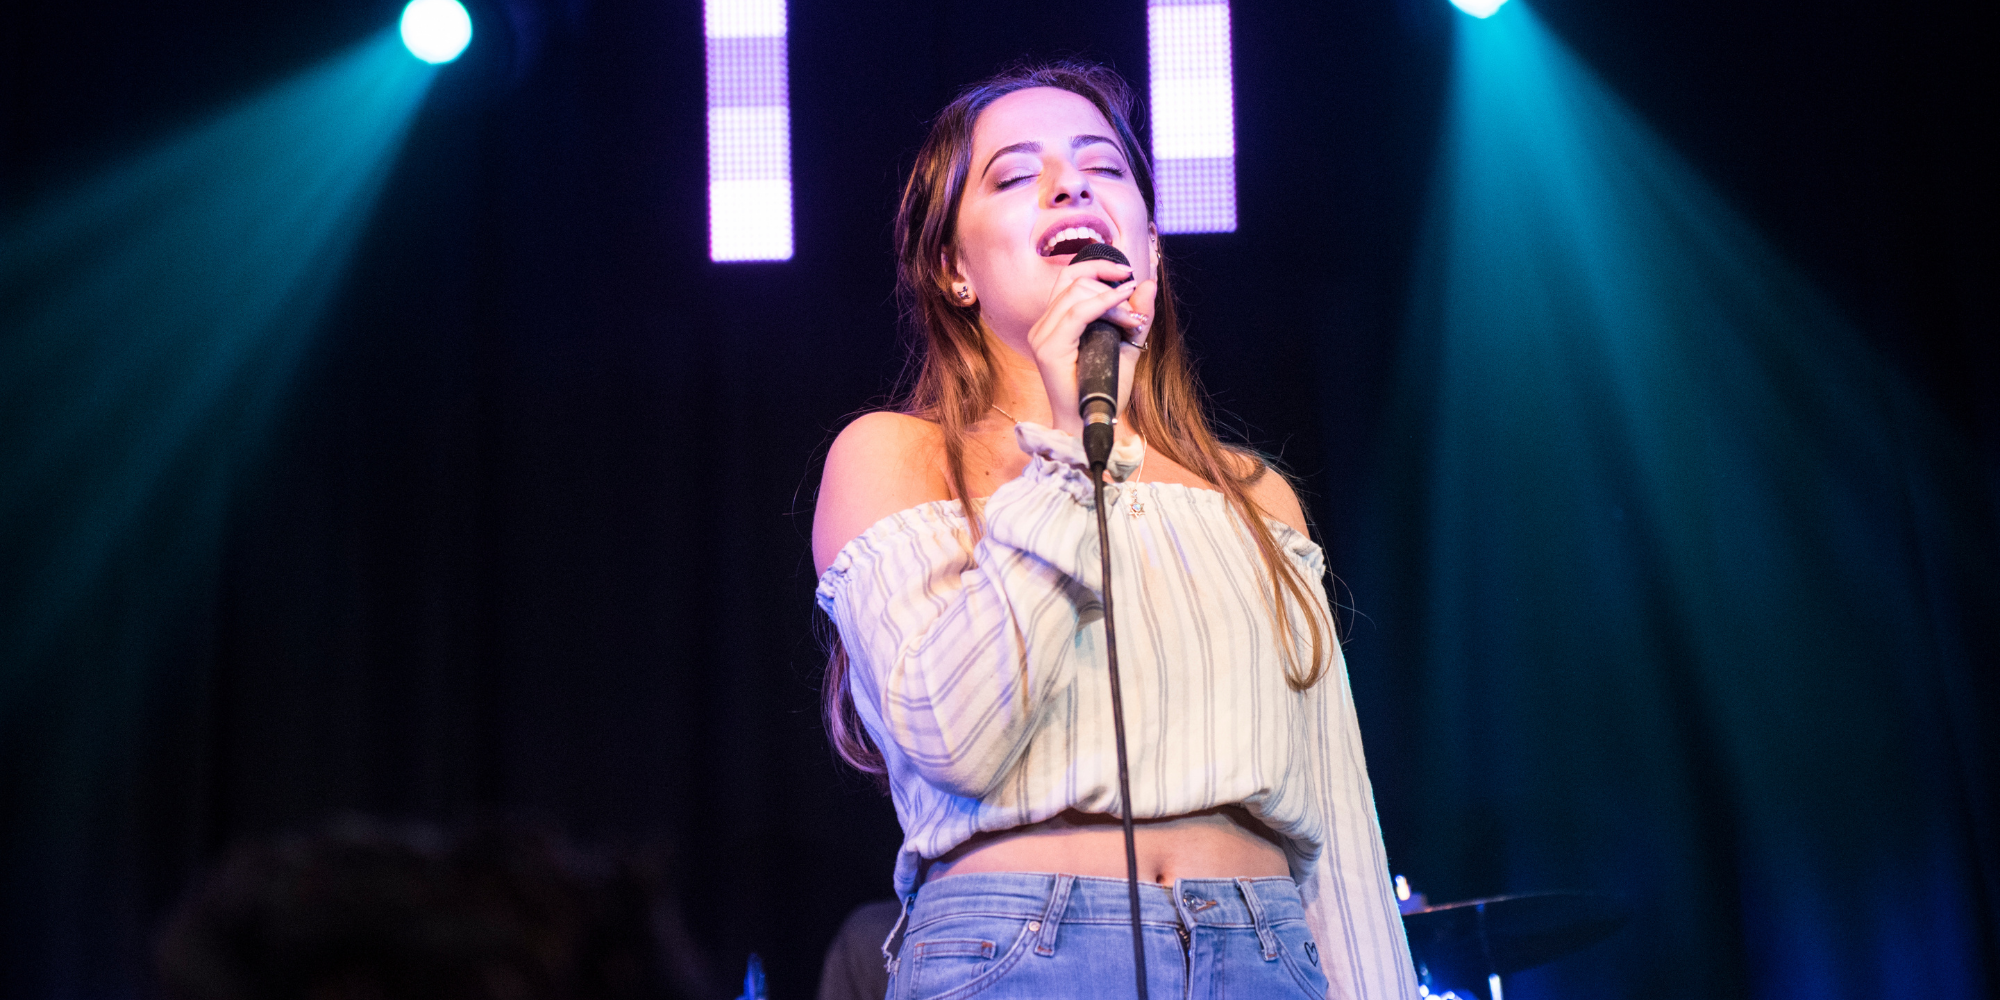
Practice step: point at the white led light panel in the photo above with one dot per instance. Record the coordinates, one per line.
(749, 131)
(1194, 117)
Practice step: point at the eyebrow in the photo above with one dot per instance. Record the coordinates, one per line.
(1075, 142)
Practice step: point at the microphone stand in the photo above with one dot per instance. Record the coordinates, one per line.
(1097, 404)
(1118, 728)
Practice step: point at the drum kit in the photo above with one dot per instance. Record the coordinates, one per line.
(1463, 949)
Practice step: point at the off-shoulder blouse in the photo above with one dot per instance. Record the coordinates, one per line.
(979, 670)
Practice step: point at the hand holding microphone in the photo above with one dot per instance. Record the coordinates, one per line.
(1096, 289)
(1097, 371)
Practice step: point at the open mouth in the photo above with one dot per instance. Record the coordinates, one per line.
(1070, 235)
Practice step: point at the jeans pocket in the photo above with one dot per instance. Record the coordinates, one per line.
(1300, 953)
(960, 957)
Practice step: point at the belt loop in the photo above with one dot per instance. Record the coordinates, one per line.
(1265, 935)
(1045, 942)
(893, 944)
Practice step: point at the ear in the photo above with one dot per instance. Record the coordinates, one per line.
(951, 278)
(1153, 241)
(949, 271)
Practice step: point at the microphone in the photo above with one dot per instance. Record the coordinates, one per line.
(1097, 371)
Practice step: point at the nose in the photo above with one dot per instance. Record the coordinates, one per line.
(1067, 186)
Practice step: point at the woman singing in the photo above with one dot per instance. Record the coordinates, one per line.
(957, 545)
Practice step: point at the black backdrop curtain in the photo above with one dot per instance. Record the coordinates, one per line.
(526, 534)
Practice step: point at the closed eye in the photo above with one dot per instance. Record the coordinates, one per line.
(1100, 161)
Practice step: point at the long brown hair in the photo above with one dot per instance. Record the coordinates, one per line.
(950, 376)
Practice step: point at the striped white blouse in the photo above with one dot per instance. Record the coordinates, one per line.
(979, 672)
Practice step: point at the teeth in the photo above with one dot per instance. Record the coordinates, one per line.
(1072, 233)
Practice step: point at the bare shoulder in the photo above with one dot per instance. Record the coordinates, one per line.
(881, 463)
(1273, 493)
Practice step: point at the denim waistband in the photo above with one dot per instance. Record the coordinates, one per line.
(1212, 902)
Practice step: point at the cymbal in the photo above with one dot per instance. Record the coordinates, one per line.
(1460, 944)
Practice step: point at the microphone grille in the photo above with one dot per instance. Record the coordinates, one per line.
(1100, 251)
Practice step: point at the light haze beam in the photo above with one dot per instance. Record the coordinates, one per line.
(152, 316)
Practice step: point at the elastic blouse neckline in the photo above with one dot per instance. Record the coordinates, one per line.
(1300, 547)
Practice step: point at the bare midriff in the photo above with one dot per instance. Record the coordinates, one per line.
(1225, 842)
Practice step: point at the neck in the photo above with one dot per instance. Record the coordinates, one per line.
(1018, 387)
(1017, 383)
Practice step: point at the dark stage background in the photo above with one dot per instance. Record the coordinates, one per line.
(525, 533)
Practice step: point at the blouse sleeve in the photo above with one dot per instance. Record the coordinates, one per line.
(953, 648)
(1350, 901)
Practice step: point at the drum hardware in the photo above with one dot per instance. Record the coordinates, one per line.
(1463, 949)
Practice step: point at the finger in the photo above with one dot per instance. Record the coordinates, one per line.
(1136, 312)
(1108, 304)
(1137, 307)
(1076, 304)
(1136, 316)
(1086, 301)
(1083, 284)
(1090, 274)
(1104, 271)
(1145, 297)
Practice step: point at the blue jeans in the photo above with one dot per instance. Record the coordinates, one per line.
(1007, 935)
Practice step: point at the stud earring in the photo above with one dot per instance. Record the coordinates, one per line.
(964, 295)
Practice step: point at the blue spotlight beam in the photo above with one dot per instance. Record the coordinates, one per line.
(1672, 561)
(154, 313)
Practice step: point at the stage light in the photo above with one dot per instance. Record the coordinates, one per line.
(749, 131)
(1479, 8)
(436, 31)
(1194, 116)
